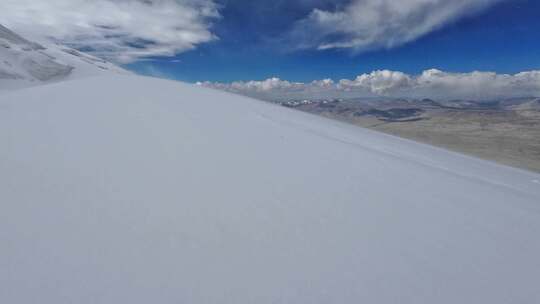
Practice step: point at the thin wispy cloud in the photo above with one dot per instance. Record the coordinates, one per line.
(119, 30)
(432, 83)
(375, 24)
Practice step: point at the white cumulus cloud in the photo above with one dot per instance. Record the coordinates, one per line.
(267, 85)
(479, 85)
(120, 30)
(432, 83)
(373, 24)
(266, 89)
(378, 82)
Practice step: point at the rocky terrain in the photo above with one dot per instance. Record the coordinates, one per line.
(506, 131)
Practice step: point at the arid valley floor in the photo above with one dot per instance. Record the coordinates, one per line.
(506, 131)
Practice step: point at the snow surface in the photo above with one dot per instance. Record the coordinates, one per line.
(124, 189)
(24, 63)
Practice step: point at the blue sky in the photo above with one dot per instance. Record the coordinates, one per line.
(481, 49)
(503, 38)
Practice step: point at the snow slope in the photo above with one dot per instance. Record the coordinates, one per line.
(24, 63)
(124, 189)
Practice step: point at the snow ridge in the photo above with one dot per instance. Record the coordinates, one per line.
(24, 63)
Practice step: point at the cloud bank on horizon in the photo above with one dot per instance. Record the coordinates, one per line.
(118, 30)
(129, 30)
(432, 83)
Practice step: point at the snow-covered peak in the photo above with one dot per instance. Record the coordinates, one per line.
(8, 37)
(24, 63)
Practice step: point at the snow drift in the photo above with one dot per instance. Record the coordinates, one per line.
(123, 189)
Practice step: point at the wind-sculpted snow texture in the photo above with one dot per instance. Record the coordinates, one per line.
(24, 63)
(123, 189)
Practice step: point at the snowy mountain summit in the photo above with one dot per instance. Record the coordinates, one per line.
(127, 189)
(25, 63)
